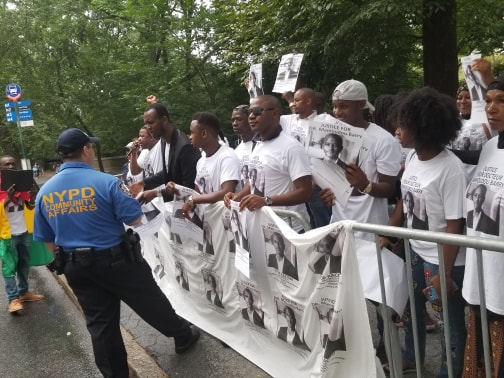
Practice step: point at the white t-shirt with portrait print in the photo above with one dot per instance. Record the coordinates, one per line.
(213, 171)
(438, 186)
(489, 172)
(279, 162)
(243, 151)
(380, 152)
(151, 160)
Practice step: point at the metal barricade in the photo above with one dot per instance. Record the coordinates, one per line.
(439, 238)
(293, 214)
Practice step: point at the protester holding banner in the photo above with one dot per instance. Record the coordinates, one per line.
(281, 161)
(217, 171)
(182, 157)
(374, 177)
(433, 183)
(15, 242)
(303, 106)
(489, 199)
(80, 214)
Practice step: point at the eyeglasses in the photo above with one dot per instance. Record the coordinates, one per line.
(257, 111)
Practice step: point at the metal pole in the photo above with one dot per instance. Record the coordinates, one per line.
(18, 122)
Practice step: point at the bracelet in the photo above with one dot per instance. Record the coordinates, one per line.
(367, 189)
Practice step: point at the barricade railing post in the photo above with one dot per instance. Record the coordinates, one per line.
(478, 243)
(446, 310)
(483, 313)
(394, 360)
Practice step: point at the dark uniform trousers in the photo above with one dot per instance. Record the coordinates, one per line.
(100, 289)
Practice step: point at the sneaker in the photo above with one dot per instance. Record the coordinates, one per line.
(15, 306)
(195, 334)
(30, 297)
(429, 323)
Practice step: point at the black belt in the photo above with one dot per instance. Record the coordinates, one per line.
(96, 255)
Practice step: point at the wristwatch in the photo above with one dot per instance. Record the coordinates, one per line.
(268, 201)
(367, 189)
(190, 201)
(160, 192)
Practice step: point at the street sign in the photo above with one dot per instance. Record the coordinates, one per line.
(13, 91)
(10, 111)
(24, 104)
(11, 116)
(25, 115)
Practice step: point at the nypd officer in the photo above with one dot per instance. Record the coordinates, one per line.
(79, 214)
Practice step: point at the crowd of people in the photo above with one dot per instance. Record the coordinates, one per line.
(422, 140)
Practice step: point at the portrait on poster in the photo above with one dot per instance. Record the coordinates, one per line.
(331, 147)
(288, 72)
(255, 86)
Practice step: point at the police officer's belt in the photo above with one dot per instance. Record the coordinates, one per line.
(86, 253)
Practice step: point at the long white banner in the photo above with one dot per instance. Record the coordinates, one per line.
(302, 312)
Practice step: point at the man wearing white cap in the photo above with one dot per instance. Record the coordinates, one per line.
(373, 177)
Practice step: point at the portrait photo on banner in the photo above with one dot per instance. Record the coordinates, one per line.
(213, 287)
(327, 254)
(280, 253)
(289, 323)
(251, 305)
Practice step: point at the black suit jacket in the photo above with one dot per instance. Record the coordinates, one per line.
(181, 164)
(486, 224)
(334, 264)
(288, 268)
(257, 319)
(282, 335)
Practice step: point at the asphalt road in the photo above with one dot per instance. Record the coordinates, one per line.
(49, 338)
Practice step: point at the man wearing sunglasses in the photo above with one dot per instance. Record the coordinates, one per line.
(281, 163)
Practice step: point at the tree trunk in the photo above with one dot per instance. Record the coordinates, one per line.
(439, 38)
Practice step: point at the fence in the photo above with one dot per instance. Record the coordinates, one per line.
(479, 244)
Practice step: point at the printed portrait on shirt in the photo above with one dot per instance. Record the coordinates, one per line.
(483, 212)
(414, 212)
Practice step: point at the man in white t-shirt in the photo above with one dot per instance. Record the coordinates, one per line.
(241, 127)
(374, 177)
(149, 162)
(281, 163)
(297, 125)
(217, 171)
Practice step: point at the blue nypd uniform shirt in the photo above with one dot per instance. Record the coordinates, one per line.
(84, 208)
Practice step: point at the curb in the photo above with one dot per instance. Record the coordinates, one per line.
(140, 363)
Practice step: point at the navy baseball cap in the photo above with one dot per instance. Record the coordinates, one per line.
(71, 140)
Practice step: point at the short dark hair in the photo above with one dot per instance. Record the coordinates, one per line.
(430, 117)
(160, 110)
(208, 120)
